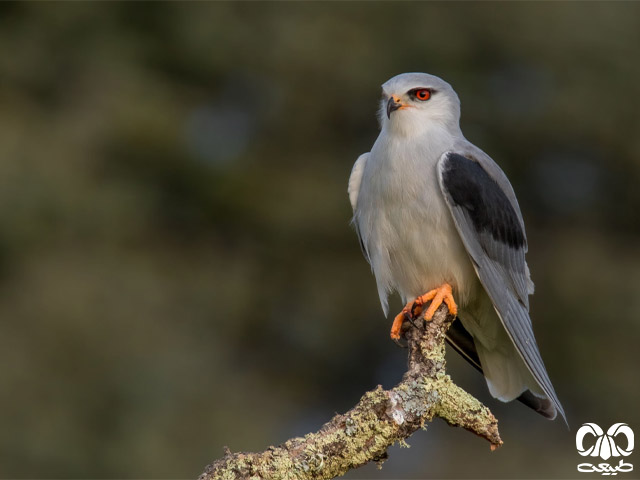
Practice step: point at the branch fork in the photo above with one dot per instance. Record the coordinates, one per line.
(380, 419)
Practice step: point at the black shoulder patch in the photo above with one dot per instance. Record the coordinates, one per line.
(470, 187)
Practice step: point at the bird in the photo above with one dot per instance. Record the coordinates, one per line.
(439, 222)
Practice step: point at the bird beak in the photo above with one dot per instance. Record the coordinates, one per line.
(393, 104)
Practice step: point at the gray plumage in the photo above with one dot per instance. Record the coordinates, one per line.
(429, 207)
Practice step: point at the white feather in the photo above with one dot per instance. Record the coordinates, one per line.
(355, 178)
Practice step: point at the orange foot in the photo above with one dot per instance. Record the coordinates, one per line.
(413, 309)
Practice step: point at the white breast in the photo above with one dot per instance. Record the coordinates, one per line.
(404, 222)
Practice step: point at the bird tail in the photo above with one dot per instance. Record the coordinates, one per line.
(507, 376)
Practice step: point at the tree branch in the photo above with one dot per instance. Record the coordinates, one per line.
(380, 419)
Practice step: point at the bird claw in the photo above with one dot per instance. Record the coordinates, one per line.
(411, 319)
(408, 317)
(407, 314)
(414, 310)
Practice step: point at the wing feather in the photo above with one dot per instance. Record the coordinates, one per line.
(353, 189)
(355, 178)
(492, 232)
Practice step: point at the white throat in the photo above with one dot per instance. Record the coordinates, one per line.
(410, 123)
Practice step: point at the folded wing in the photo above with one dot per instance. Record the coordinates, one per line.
(492, 232)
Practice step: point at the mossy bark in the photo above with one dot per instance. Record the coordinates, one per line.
(380, 419)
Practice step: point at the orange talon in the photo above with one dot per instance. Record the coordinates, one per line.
(396, 328)
(414, 309)
(439, 295)
(410, 310)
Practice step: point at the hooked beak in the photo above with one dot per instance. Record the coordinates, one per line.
(393, 104)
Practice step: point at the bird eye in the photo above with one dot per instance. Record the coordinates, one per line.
(422, 94)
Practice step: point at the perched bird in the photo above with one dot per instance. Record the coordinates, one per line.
(438, 221)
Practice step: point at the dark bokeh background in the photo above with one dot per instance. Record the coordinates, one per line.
(177, 269)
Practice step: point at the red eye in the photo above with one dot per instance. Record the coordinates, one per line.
(423, 94)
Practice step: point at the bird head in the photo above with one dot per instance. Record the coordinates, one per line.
(414, 102)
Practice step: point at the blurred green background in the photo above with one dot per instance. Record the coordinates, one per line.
(177, 268)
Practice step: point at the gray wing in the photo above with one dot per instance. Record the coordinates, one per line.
(490, 226)
(353, 189)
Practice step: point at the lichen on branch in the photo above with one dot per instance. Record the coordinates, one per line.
(380, 419)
